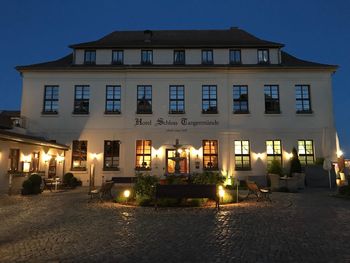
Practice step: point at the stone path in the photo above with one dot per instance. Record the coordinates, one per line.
(63, 227)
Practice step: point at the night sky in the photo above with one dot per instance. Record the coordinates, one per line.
(37, 31)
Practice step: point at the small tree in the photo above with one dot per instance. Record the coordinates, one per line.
(295, 166)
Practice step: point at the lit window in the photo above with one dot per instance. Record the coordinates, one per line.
(79, 155)
(240, 99)
(176, 99)
(209, 99)
(50, 100)
(113, 96)
(111, 155)
(210, 154)
(302, 97)
(273, 151)
(144, 99)
(263, 56)
(242, 155)
(272, 99)
(143, 154)
(207, 57)
(90, 57)
(117, 57)
(306, 152)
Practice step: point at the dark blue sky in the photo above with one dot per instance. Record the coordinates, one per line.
(35, 31)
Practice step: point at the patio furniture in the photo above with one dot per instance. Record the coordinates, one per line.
(187, 191)
(104, 191)
(48, 183)
(291, 183)
(260, 193)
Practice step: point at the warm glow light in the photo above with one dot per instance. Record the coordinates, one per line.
(187, 151)
(339, 153)
(26, 167)
(46, 157)
(94, 156)
(126, 193)
(259, 155)
(27, 158)
(60, 158)
(179, 150)
(221, 191)
(288, 155)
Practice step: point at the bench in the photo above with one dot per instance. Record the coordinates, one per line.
(187, 191)
(260, 193)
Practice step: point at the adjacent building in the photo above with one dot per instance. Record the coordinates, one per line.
(234, 102)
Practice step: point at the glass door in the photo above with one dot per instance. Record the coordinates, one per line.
(184, 161)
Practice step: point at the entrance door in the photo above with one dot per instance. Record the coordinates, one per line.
(52, 167)
(184, 163)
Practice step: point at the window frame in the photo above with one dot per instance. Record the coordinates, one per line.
(79, 153)
(302, 99)
(114, 143)
(177, 100)
(274, 155)
(234, 61)
(182, 62)
(303, 161)
(143, 155)
(211, 155)
(113, 99)
(263, 50)
(138, 110)
(239, 100)
(118, 62)
(82, 100)
(205, 60)
(50, 100)
(147, 62)
(272, 100)
(241, 156)
(209, 99)
(87, 59)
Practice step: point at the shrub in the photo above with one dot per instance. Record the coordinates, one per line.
(295, 166)
(344, 190)
(208, 178)
(70, 180)
(275, 168)
(32, 185)
(145, 185)
(173, 179)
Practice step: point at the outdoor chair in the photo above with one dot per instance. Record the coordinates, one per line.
(48, 184)
(260, 193)
(104, 191)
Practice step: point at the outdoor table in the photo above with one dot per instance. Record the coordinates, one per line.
(290, 183)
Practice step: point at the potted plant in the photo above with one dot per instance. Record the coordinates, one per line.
(274, 172)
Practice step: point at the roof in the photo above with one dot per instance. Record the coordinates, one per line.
(6, 135)
(233, 37)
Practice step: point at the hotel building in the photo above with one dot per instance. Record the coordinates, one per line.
(234, 102)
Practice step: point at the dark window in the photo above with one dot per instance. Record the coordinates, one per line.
(14, 159)
(113, 94)
(117, 57)
(273, 151)
(90, 57)
(207, 57)
(176, 99)
(210, 154)
(240, 99)
(146, 56)
(111, 155)
(79, 155)
(272, 99)
(302, 96)
(143, 154)
(144, 99)
(235, 56)
(179, 57)
(263, 56)
(34, 165)
(51, 100)
(81, 99)
(242, 155)
(209, 99)
(306, 151)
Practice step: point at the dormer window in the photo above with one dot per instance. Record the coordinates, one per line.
(117, 57)
(179, 57)
(235, 56)
(146, 57)
(263, 56)
(207, 57)
(90, 57)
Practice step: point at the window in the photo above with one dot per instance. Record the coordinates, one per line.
(272, 100)
(179, 57)
(118, 57)
(90, 57)
(210, 154)
(14, 159)
(113, 94)
(263, 56)
(209, 99)
(240, 99)
(144, 99)
(34, 166)
(81, 99)
(79, 155)
(302, 96)
(242, 155)
(176, 99)
(50, 100)
(143, 154)
(235, 56)
(273, 151)
(207, 57)
(111, 155)
(306, 151)
(146, 56)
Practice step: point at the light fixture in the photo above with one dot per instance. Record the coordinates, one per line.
(221, 191)
(127, 193)
(179, 151)
(94, 156)
(60, 159)
(339, 153)
(46, 157)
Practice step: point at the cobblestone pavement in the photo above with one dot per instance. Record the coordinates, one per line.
(63, 227)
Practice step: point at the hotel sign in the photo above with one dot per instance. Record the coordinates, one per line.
(183, 122)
